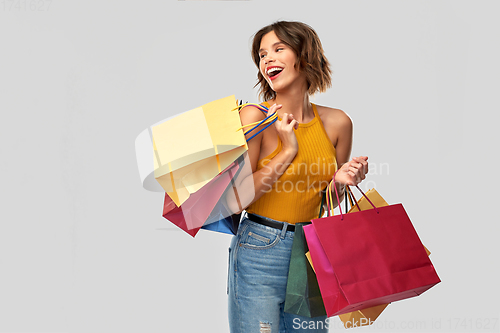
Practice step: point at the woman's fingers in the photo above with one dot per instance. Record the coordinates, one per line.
(286, 133)
(294, 124)
(350, 181)
(357, 173)
(355, 170)
(275, 107)
(287, 119)
(284, 120)
(363, 160)
(288, 122)
(361, 164)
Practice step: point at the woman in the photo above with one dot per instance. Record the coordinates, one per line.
(292, 162)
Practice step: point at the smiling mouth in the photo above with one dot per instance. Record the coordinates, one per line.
(274, 72)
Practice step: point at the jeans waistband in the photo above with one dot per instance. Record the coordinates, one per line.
(268, 222)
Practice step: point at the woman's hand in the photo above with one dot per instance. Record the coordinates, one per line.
(352, 172)
(285, 129)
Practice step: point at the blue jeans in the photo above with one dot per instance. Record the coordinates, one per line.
(259, 257)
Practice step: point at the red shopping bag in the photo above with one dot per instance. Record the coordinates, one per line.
(333, 299)
(195, 211)
(375, 255)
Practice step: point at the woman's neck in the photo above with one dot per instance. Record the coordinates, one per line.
(296, 103)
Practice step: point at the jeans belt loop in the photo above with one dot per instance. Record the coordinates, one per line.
(283, 230)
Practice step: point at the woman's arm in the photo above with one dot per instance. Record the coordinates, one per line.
(349, 172)
(251, 183)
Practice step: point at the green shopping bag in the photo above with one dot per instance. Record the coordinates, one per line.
(302, 297)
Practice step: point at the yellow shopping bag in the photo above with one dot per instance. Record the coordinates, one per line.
(193, 147)
(373, 195)
(362, 317)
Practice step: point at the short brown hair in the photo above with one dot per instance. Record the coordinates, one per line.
(310, 56)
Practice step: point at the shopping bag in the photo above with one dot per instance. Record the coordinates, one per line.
(360, 317)
(366, 316)
(196, 210)
(225, 222)
(364, 204)
(194, 147)
(147, 153)
(327, 281)
(376, 256)
(221, 219)
(363, 317)
(211, 213)
(303, 296)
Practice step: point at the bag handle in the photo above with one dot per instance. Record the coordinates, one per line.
(321, 206)
(351, 198)
(346, 201)
(338, 200)
(329, 199)
(268, 120)
(371, 203)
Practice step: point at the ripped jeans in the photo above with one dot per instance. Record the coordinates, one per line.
(259, 257)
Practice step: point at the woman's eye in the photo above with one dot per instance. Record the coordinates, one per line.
(262, 56)
(279, 49)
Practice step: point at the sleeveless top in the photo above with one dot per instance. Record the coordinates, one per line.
(296, 195)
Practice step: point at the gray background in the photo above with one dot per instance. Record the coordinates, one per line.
(83, 247)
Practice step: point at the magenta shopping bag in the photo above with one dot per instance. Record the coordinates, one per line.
(333, 299)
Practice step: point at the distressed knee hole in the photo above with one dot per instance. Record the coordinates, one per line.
(265, 327)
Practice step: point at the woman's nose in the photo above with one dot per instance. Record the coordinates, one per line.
(268, 59)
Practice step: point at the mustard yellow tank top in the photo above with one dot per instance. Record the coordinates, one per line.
(296, 195)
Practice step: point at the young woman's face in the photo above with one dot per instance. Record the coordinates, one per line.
(277, 63)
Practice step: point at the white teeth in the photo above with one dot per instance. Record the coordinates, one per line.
(274, 69)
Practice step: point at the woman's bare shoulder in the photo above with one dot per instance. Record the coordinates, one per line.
(332, 117)
(250, 114)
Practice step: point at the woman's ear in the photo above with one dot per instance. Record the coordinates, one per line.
(302, 64)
